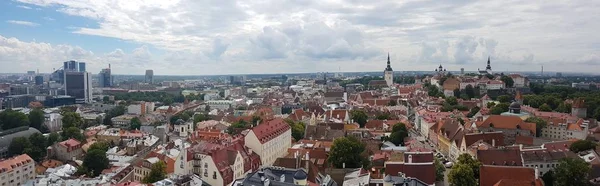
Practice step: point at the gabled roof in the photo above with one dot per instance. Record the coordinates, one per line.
(508, 122)
(487, 137)
(270, 129)
(490, 175)
(504, 157)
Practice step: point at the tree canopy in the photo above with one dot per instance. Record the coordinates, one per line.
(36, 119)
(508, 81)
(73, 132)
(499, 108)
(360, 117)
(18, 145)
(135, 123)
(582, 145)
(504, 99)
(539, 124)
(71, 119)
(157, 172)
(439, 170)
(347, 151)
(95, 161)
(10, 119)
(399, 133)
(465, 171)
(571, 171)
(101, 145)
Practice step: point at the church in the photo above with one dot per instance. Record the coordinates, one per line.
(388, 73)
(488, 68)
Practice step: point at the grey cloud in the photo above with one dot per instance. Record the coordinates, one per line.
(219, 47)
(464, 49)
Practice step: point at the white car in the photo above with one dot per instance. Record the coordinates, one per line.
(449, 164)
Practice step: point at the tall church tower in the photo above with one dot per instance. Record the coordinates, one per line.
(388, 73)
(488, 68)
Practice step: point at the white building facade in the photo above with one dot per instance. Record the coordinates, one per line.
(270, 140)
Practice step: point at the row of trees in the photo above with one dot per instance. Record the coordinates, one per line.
(34, 145)
(163, 97)
(10, 119)
(570, 171)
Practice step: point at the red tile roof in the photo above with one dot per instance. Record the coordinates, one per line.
(422, 167)
(508, 122)
(490, 175)
(270, 129)
(504, 157)
(8, 164)
(487, 137)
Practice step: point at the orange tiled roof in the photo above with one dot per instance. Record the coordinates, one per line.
(9, 164)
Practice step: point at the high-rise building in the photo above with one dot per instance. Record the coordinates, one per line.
(462, 70)
(105, 78)
(149, 76)
(74, 66)
(39, 80)
(79, 85)
(31, 72)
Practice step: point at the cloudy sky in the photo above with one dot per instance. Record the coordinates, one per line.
(202, 37)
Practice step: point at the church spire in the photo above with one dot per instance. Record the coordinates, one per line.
(488, 67)
(389, 67)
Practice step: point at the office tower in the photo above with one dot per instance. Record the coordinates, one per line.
(149, 76)
(82, 67)
(31, 73)
(462, 70)
(105, 78)
(79, 85)
(74, 66)
(39, 80)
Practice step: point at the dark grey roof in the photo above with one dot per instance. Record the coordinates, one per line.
(300, 175)
(515, 105)
(278, 176)
(8, 135)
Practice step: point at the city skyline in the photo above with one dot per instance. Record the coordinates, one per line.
(231, 37)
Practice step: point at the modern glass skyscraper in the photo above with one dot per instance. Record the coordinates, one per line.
(149, 76)
(105, 78)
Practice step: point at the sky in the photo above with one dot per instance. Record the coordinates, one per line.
(211, 37)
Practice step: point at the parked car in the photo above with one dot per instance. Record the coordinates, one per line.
(448, 164)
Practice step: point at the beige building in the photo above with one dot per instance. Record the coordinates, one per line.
(17, 170)
(270, 140)
(67, 150)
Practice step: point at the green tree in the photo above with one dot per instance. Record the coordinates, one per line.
(53, 138)
(548, 178)
(392, 103)
(38, 149)
(462, 175)
(439, 170)
(73, 132)
(18, 145)
(545, 108)
(466, 159)
(456, 92)
(571, 171)
(298, 131)
(105, 99)
(582, 145)
(360, 117)
(157, 172)
(383, 116)
(451, 101)
(71, 119)
(101, 145)
(201, 117)
(10, 119)
(508, 81)
(470, 91)
(490, 105)
(399, 133)
(564, 108)
(346, 151)
(499, 108)
(473, 111)
(504, 99)
(95, 161)
(539, 124)
(36, 118)
(135, 123)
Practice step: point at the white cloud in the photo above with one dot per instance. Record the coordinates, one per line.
(24, 23)
(355, 35)
(48, 18)
(24, 7)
